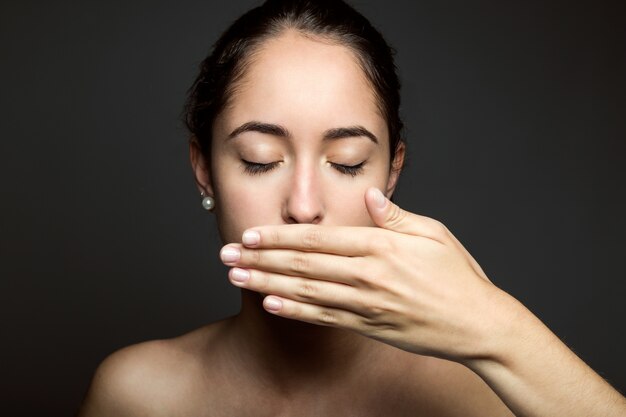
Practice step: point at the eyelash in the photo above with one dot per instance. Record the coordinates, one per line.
(353, 170)
(254, 168)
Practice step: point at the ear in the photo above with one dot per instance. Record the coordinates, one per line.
(200, 167)
(396, 167)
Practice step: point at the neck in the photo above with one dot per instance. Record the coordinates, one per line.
(286, 352)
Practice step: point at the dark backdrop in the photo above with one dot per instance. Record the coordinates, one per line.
(515, 115)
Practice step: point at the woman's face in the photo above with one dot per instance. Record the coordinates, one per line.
(282, 151)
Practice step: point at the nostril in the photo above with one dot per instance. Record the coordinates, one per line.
(304, 203)
(303, 217)
(315, 220)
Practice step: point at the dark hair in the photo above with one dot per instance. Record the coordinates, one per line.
(332, 20)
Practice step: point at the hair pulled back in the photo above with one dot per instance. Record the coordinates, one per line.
(332, 20)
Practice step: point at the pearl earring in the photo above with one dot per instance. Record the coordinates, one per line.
(208, 202)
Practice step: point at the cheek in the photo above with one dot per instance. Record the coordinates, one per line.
(346, 205)
(241, 206)
(345, 197)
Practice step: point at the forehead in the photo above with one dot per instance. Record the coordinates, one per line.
(305, 84)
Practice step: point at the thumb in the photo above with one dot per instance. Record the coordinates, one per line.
(388, 215)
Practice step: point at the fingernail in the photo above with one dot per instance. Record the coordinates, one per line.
(273, 304)
(230, 254)
(239, 275)
(251, 237)
(379, 198)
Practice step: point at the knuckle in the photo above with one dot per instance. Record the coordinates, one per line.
(381, 330)
(306, 290)
(326, 317)
(379, 325)
(377, 310)
(274, 237)
(396, 215)
(299, 264)
(312, 238)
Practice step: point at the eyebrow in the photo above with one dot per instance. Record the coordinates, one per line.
(280, 131)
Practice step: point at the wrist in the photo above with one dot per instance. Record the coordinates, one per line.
(505, 325)
(533, 372)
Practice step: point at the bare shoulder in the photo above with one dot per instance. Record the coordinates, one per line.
(157, 377)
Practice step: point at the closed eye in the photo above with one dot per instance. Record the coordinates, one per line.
(353, 170)
(254, 168)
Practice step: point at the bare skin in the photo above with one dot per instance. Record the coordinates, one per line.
(231, 368)
(295, 91)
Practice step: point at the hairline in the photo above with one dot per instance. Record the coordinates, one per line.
(257, 46)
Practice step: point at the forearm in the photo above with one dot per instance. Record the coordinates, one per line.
(535, 374)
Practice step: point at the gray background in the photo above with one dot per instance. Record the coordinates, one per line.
(515, 115)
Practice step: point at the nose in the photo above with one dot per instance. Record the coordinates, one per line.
(304, 201)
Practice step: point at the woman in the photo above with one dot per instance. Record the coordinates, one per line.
(350, 305)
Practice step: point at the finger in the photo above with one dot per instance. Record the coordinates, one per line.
(388, 215)
(325, 316)
(346, 270)
(322, 293)
(340, 240)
